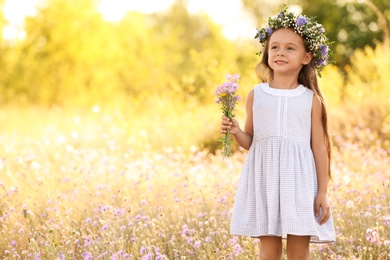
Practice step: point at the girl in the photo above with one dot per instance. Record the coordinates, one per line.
(282, 191)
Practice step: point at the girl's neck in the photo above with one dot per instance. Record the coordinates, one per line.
(284, 83)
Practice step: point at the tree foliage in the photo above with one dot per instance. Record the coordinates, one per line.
(71, 55)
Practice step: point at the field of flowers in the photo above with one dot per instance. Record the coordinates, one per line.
(80, 186)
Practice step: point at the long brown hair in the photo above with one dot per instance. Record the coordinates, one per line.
(308, 78)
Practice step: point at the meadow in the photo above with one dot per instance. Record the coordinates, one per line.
(103, 184)
(109, 135)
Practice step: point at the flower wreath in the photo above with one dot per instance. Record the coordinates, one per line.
(312, 33)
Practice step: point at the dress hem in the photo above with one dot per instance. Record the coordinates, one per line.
(297, 229)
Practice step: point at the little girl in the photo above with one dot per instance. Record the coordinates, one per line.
(282, 191)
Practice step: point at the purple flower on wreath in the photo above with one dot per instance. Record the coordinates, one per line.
(269, 31)
(324, 49)
(260, 35)
(302, 20)
(321, 62)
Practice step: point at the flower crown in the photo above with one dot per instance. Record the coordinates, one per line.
(313, 34)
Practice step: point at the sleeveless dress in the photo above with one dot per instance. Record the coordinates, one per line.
(278, 184)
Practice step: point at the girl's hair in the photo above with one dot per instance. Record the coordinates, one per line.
(307, 77)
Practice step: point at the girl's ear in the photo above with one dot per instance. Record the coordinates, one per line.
(307, 58)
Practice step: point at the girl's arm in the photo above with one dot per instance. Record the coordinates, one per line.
(243, 138)
(321, 159)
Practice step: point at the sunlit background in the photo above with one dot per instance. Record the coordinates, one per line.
(109, 134)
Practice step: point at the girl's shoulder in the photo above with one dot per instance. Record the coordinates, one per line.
(259, 86)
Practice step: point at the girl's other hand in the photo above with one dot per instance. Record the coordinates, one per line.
(322, 202)
(229, 125)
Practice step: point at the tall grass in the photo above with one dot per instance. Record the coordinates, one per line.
(121, 184)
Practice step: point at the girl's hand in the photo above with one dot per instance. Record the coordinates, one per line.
(322, 202)
(229, 125)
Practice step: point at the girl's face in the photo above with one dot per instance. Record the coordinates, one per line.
(287, 53)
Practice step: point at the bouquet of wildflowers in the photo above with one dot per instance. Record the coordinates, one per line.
(226, 94)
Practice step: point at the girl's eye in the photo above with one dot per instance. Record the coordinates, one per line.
(273, 47)
(290, 48)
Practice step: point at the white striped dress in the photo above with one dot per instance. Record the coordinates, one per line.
(278, 184)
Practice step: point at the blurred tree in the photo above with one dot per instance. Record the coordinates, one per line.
(61, 48)
(350, 24)
(71, 55)
(197, 55)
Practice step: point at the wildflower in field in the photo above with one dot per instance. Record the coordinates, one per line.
(372, 235)
(237, 249)
(350, 204)
(105, 227)
(148, 256)
(61, 256)
(142, 250)
(226, 94)
(87, 256)
(197, 244)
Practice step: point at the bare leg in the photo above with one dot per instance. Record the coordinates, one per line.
(298, 247)
(270, 248)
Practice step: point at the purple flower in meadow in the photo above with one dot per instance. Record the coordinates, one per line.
(386, 220)
(197, 244)
(105, 227)
(115, 256)
(229, 76)
(269, 31)
(372, 235)
(148, 256)
(237, 250)
(87, 256)
(302, 20)
(142, 250)
(13, 243)
(233, 240)
(37, 256)
(161, 257)
(61, 256)
(207, 240)
(190, 240)
(87, 242)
